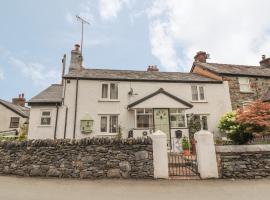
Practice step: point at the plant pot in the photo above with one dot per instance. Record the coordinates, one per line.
(186, 152)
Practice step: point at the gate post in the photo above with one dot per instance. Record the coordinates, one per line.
(160, 155)
(206, 154)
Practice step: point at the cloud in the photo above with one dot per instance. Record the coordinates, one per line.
(1, 74)
(109, 9)
(231, 31)
(38, 73)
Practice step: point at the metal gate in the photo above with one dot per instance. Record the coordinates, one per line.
(182, 165)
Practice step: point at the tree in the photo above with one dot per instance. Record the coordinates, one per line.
(255, 116)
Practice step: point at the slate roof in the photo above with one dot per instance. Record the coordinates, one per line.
(20, 110)
(161, 90)
(230, 69)
(52, 94)
(131, 75)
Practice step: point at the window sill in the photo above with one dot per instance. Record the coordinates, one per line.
(246, 92)
(178, 127)
(45, 126)
(199, 101)
(109, 100)
(107, 134)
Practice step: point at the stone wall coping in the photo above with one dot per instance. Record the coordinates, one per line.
(242, 148)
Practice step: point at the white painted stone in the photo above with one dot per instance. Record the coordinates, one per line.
(206, 154)
(160, 155)
(242, 148)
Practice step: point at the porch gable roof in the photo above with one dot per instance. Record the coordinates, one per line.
(160, 91)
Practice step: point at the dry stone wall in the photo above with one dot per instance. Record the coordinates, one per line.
(86, 158)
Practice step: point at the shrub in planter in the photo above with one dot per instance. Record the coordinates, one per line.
(185, 145)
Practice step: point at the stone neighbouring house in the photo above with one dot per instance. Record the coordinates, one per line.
(13, 114)
(102, 102)
(246, 83)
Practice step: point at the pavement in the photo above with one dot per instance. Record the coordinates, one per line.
(18, 188)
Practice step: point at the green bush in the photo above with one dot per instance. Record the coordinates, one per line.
(185, 143)
(238, 133)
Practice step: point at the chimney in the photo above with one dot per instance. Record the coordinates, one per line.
(19, 101)
(152, 68)
(63, 67)
(265, 62)
(201, 56)
(76, 59)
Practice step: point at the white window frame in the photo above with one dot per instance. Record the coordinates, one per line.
(109, 91)
(179, 112)
(144, 113)
(17, 122)
(198, 93)
(46, 116)
(244, 81)
(108, 128)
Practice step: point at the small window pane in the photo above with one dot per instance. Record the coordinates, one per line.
(14, 122)
(178, 120)
(140, 110)
(104, 91)
(144, 121)
(45, 121)
(46, 113)
(201, 93)
(114, 91)
(195, 96)
(204, 123)
(113, 124)
(148, 110)
(103, 124)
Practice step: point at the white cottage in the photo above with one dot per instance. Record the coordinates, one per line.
(13, 115)
(104, 102)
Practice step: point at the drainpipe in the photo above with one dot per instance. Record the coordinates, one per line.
(76, 104)
(56, 121)
(65, 129)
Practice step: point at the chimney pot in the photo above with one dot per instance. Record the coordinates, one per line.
(77, 47)
(152, 68)
(201, 56)
(265, 62)
(76, 59)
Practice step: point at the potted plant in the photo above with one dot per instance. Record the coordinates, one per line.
(185, 146)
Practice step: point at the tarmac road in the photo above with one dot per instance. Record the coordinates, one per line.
(17, 188)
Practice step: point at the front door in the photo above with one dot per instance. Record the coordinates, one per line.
(162, 123)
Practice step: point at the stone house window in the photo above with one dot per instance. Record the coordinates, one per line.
(244, 84)
(177, 117)
(109, 91)
(144, 117)
(109, 123)
(45, 118)
(197, 92)
(14, 122)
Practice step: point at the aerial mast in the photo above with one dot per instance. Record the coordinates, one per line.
(83, 21)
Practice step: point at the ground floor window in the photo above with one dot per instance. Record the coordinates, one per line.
(14, 122)
(144, 117)
(199, 119)
(109, 123)
(177, 117)
(45, 118)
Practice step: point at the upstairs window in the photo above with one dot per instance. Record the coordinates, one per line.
(14, 122)
(197, 92)
(109, 91)
(244, 84)
(45, 118)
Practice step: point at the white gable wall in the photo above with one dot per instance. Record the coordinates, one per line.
(5, 115)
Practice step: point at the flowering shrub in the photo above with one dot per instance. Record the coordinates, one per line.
(234, 131)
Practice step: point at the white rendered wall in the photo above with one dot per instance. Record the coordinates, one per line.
(89, 102)
(5, 115)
